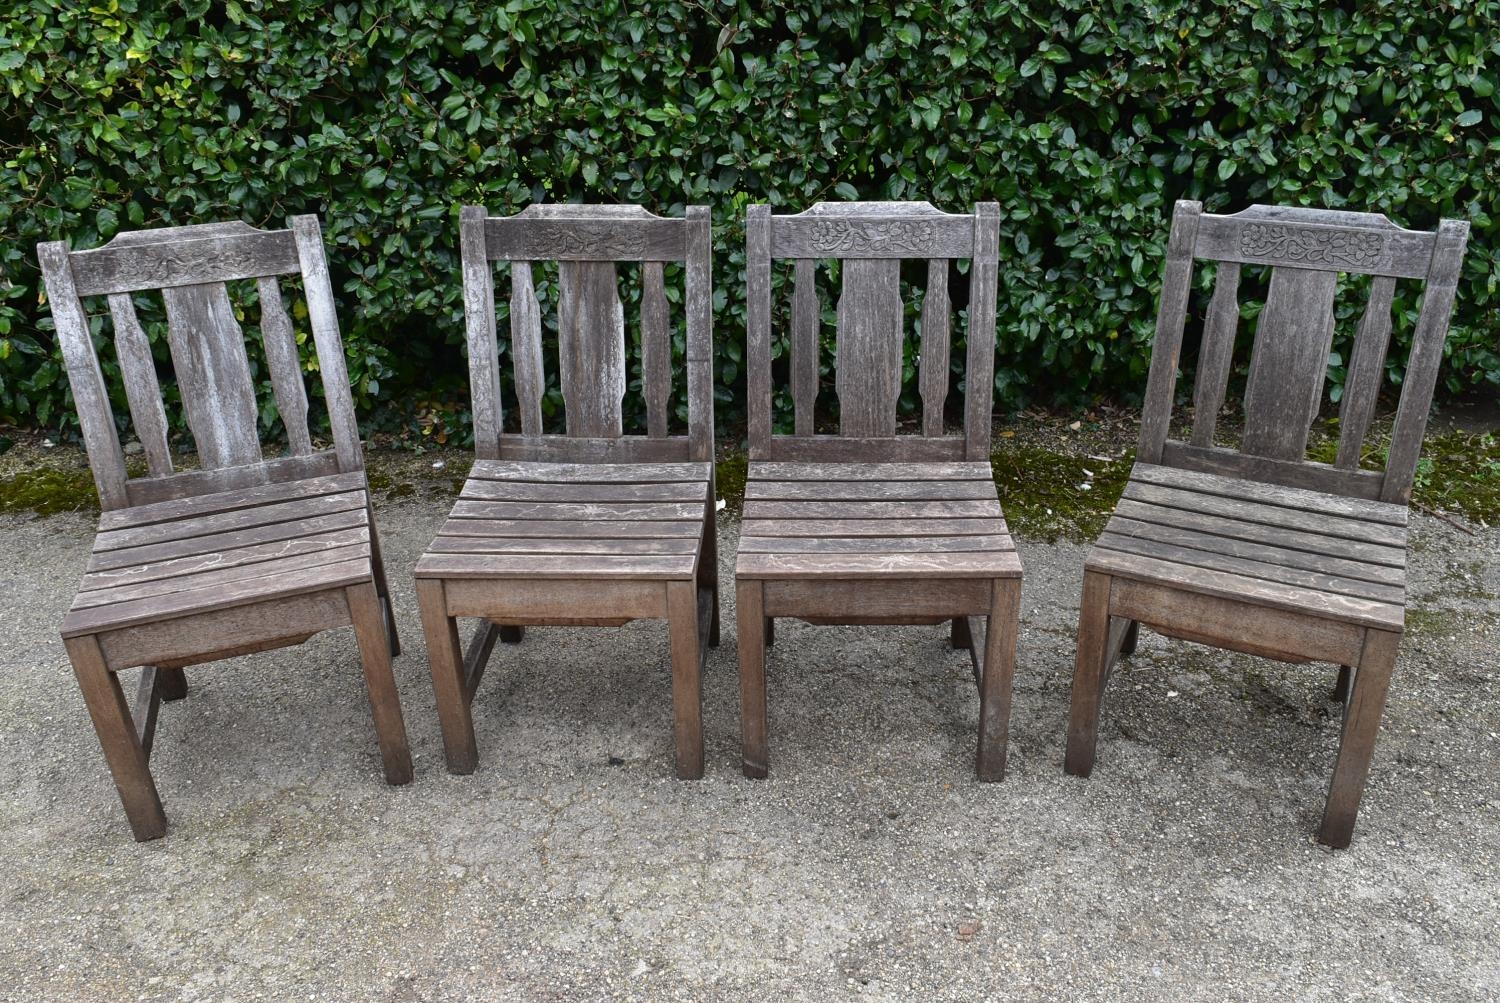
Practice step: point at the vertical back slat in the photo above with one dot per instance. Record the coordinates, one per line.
(698, 293)
(95, 418)
(591, 347)
(869, 338)
(1216, 353)
(758, 324)
(806, 315)
(317, 291)
(1289, 363)
(1426, 356)
(1366, 366)
(656, 349)
(1171, 314)
(142, 389)
(526, 347)
(935, 346)
(479, 328)
(213, 373)
(979, 367)
(285, 365)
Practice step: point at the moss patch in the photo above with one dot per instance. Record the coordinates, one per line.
(1459, 471)
(1049, 495)
(730, 472)
(48, 491)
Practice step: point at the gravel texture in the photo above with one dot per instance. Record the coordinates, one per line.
(870, 866)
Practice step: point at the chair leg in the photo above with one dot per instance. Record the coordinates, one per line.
(383, 587)
(117, 735)
(749, 603)
(511, 634)
(770, 622)
(370, 630)
(959, 635)
(1346, 680)
(708, 565)
(445, 657)
(1088, 674)
(687, 683)
(1001, 628)
(1372, 677)
(1132, 634)
(173, 683)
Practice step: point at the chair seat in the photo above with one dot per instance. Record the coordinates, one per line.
(210, 552)
(1326, 555)
(874, 520)
(530, 520)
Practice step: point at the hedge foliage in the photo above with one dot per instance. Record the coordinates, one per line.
(1085, 119)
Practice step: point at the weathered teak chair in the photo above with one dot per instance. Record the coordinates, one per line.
(246, 553)
(868, 527)
(591, 527)
(1258, 549)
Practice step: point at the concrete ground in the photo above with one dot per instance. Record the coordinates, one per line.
(870, 866)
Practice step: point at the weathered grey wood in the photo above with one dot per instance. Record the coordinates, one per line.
(213, 374)
(477, 656)
(656, 349)
(806, 319)
(321, 315)
(872, 230)
(868, 490)
(758, 326)
(1357, 737)
(216, 559)
(1177, 280)
(454, 544)
(845, 509)
(624, 449)
(186, 256)
(700, 348)
(687, 651)
(589, 473)
(142, 389)
(467, 521)
(877, 527)
(641, 511)
(1217, 352)
(1361, 243)
(1426, 355)
(1279, 516)
(1366, 367)
(834, 448)
(190, 483)
(214, 544)
(998, 643)
(868, 470)
(479, 328)
(1261, 533)
(380, 682)
(532, 238)
(1289, 363)
(1291, 473)
(591, 348)
(450, 676)
(979, 374)
(749, 603)
(935, 343)
(1271, 494)
(526, 347)
(617, 491)
(557, 602)
(891, 600)
(249, 496)
(869, 347)
(872, 545)
(105, 594)
(285, 364)
(844, 566)
(301, 508)
(148, 698)
(448, 566)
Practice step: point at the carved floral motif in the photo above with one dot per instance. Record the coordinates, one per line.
(1314, 247)
(576, 240)
(839, 236)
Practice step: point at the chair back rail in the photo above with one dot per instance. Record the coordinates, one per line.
(870, 240)
(191, 267)
(1306, 250)
(587, 243)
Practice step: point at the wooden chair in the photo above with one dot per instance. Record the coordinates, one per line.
(1258, 549)
(867, 526)
(247, 552)
(591, 527)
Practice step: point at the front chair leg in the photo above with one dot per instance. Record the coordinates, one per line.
(752, 621)
(370, 630)
(449, 686)
(687, 682)
(1088, 674)
(117, 736)
(1001, 628)
(1372, 677)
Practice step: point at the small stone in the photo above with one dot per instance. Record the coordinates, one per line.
(616, 761)
(134, 449)
(968, 929)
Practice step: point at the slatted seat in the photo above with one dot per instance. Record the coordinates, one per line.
(574, 520)
(1252, 546)
(248, 552)
(868, 526)
(591, 527)
(871, 520)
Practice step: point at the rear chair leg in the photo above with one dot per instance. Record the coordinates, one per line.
(708, 565)
(1088, 674)
(117, 736)
(382, 587)
(1372, 677)
(370, 630)
(1346, 680)
(959, 635)
(173, 683)
(511, 634)
(687, 683)
(750, 603)
(1132, 634)
(445, 657)
(1000, 633)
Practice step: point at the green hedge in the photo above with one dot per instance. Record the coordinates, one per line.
(1083, 118)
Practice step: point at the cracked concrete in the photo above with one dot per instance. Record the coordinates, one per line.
(869, 866)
